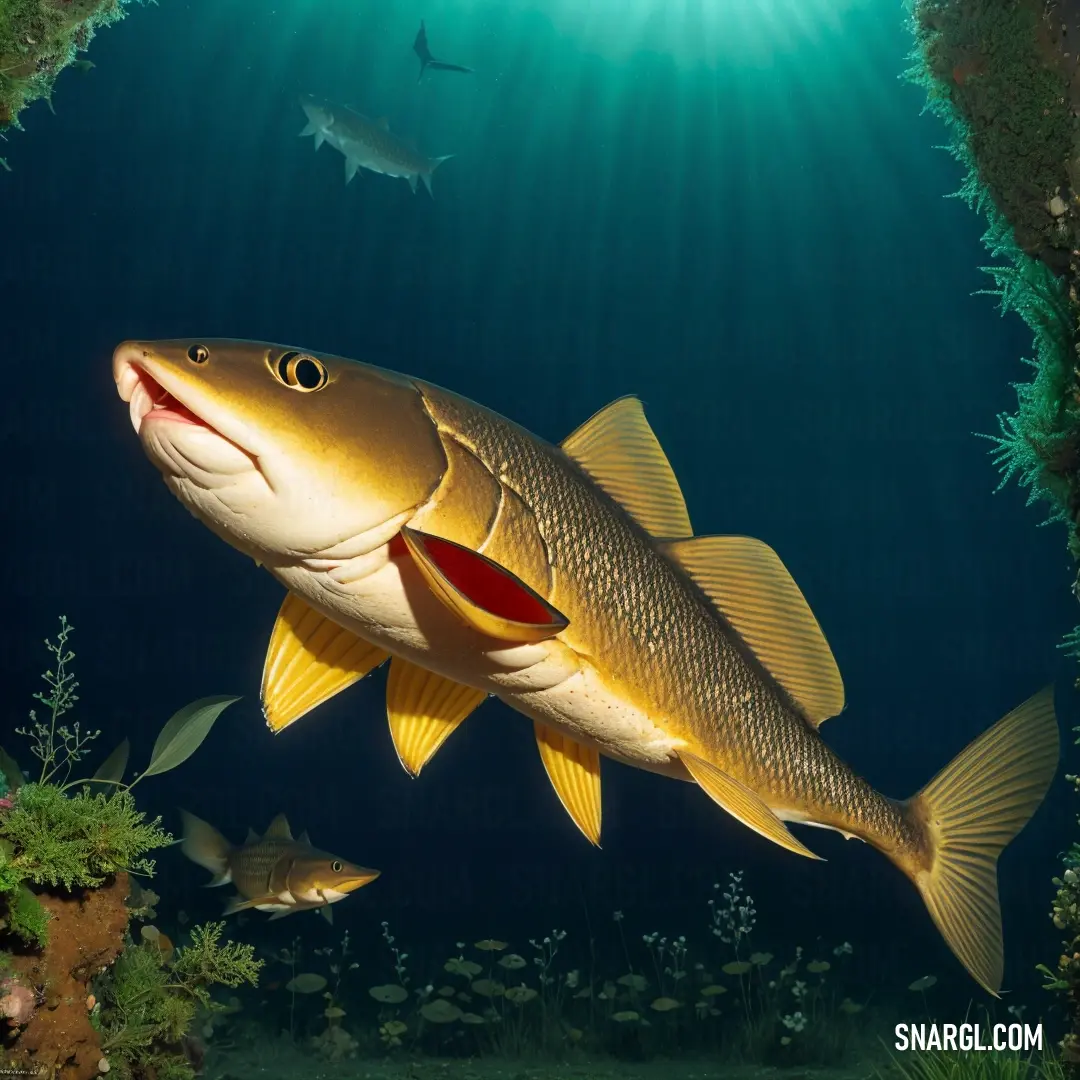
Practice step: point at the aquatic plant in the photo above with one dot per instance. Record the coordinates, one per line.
(146, 1003)
(965, 1065)
(67, 847)
(57, 836)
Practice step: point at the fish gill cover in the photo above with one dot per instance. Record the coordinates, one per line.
(1005, 79)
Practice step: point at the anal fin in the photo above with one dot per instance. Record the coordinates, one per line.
(310, 659)
(739, 801)
(424, 709)
(574, 772)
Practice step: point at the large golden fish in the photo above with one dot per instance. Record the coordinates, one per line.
(409, 522)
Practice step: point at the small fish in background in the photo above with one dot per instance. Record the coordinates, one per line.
(273, 872)
(367, 144)
(420, 47)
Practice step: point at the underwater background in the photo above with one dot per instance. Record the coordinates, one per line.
(734, 211)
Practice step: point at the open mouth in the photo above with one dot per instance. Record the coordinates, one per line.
(149, 401)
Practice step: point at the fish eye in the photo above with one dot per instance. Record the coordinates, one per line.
(337, 866)
(300, 371)
(198, 354)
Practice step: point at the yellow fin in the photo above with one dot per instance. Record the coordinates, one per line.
(278, 829)
(619, 451)
(966, 815)
(752, 589)
(739, 801)
(574, 772)
(481, 592)
(310, 659)
(424, 709)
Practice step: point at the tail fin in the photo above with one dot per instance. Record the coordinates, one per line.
(204, 845)
(966, 815)
(433, 164)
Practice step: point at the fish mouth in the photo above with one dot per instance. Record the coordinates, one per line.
(154, 399)
(358, 881)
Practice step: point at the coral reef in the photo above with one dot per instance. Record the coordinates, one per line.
(68, 848)
(38, 39)
(1005, 78)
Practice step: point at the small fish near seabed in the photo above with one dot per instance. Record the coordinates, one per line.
(420, 47)
(411, 524)
(367, 144)
(273, 872)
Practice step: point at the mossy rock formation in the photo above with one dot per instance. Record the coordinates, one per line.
(1005, 78)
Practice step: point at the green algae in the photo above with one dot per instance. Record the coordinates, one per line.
(38, 39)
(149, 1001)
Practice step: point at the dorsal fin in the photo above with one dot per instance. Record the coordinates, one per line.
(619, 451)
(304, 838)
(278, 829)
(252, 837)
(752, 589)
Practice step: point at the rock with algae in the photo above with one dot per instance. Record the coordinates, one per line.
(38, 39)
(1004, 75)
(1004, 78)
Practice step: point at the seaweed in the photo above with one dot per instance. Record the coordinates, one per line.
(148, 1004)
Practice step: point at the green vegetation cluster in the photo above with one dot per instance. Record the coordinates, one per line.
(38, 39)
(1004, 78)
(69, 833)
(63, 832)
(993, 73)
(148, 1004)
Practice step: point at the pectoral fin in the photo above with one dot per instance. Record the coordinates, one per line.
(574, 772)
(310, 659)
(742, 803)
(424, 709)
(483, 594)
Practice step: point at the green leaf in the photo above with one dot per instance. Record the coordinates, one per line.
(184, 733)
(11, 770)
(112, 768)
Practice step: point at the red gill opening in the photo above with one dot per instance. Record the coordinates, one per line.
(488, 585)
